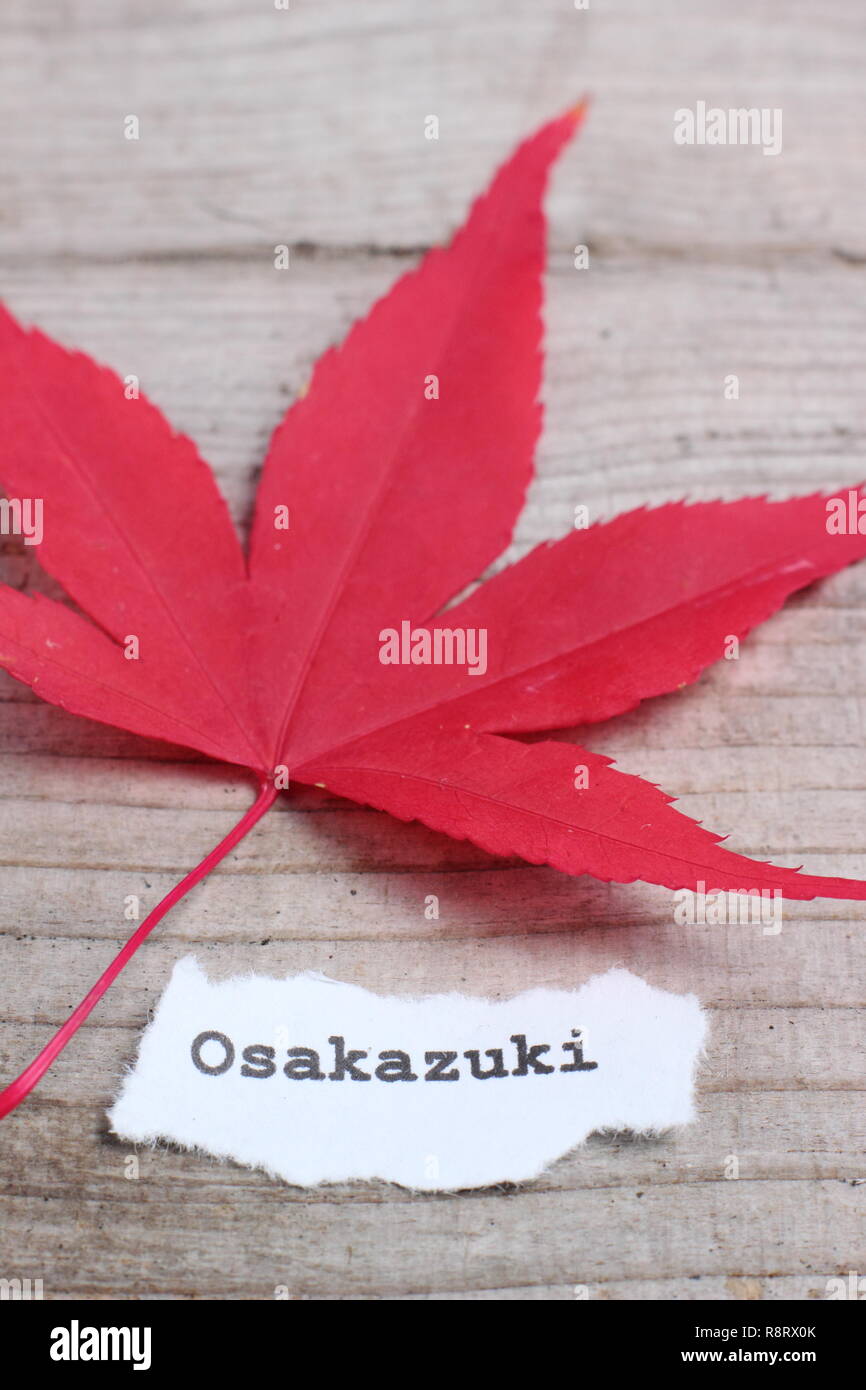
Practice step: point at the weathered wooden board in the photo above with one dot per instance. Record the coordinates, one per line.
(261, 127)
(306, 126)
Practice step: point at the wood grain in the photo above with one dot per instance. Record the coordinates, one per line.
(305, 128)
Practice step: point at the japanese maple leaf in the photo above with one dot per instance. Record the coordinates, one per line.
(387, 489)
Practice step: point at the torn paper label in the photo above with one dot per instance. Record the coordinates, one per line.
(319, 1081)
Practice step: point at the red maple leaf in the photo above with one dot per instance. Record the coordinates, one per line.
(325, 655)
